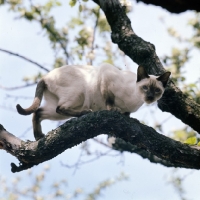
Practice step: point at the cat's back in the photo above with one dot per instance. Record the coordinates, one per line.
(67, 70)
(69, 73)
(112, 73)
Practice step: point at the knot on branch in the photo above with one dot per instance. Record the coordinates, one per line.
(144, 51)
(115, 38)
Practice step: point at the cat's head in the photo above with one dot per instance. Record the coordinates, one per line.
(151, 87)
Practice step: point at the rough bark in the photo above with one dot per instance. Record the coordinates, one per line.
(143, 53)
(160, 148)
(121, 145)
(175, 6)
(77, 130)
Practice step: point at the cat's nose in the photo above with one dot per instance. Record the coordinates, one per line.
(150, 98)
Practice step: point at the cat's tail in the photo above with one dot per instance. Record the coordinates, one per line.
(36, 102)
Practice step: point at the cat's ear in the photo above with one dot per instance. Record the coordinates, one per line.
(164, 78)
(141, 73)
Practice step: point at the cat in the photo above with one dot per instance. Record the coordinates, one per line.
(75, 90)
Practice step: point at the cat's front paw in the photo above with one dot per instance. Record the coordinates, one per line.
(84, 112)
(116, 109)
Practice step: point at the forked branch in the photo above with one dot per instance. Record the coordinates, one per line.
(77, 130)
(143, 53)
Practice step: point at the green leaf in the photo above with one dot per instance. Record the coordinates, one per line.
(58, 3)
(72, 3)
(80, 8)
(74, 22)
(2, 1)
(191, 141)
(103, 24)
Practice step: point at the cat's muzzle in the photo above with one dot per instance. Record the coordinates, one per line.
(149, 99)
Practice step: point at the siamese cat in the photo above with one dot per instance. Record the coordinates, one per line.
(72, 91)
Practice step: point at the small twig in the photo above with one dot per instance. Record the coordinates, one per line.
(102, 143)
(18, 97)
(165, 120)
(27, 59)
(58, 40)
(25, 132)
(94, 32)
(77, 164)
(17, 87)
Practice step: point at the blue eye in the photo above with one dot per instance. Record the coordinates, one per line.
(157, 90)
(144, 87)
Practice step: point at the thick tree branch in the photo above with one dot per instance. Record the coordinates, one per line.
(143, 53)
(121, 145)
(77, 130)
(175, 6)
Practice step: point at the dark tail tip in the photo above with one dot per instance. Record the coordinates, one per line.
(22, 111)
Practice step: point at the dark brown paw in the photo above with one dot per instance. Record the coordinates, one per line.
(84, 112)
(116, 109)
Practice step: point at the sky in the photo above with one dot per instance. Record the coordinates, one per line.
(146, 180)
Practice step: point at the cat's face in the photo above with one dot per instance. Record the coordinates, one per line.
(150, 87)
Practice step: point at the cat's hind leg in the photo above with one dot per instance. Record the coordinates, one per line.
(36, 121)
(73, 107)
(63, 110)
(110, 101)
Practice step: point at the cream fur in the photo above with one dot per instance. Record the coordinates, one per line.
(76, 90)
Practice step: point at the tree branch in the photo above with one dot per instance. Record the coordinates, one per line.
(17, 87)
(94, 32)
(140, 138)
(57, 37)
(175, 6)
(121, 145)
(27, 59)
(143, 53)
(77, 130)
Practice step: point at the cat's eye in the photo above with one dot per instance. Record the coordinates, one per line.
(157, 90)
(144, 87)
